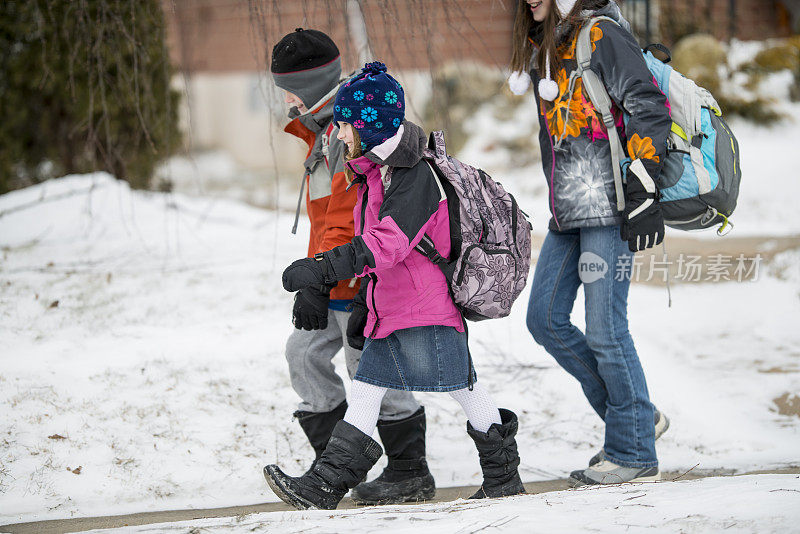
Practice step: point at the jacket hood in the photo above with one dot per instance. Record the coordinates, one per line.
(610, 10)
(404, 149)
(320, 115)
(310, 125)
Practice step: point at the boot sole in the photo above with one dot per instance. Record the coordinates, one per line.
(481, 494)
(575, 483)
(417, 497)
(286, 495)
(414, 489)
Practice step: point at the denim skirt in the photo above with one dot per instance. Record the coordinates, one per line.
(422, 358)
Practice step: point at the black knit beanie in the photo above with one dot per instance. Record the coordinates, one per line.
(306, 63)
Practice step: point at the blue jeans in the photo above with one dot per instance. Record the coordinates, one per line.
(603, 359)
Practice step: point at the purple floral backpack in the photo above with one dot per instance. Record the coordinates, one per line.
(490, 238)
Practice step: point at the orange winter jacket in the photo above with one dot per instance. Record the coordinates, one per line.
(328, 202)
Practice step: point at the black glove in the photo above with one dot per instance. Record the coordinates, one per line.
(642, 221)
(358, 319)
(325, 268)
(310, 310)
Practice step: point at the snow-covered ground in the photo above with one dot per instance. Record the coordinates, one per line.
(141, 361)
(753, 503)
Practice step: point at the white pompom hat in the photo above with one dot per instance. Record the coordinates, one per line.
(519, 82)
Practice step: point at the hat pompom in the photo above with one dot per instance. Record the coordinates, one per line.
(519, 82)
(548, 89)
(376, 67)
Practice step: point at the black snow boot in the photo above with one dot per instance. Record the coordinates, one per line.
(347, 459)
(318, 427)
(497, 452)
(406, 477)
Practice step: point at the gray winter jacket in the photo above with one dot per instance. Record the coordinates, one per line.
(576, 154)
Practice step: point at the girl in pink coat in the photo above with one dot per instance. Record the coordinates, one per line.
(414, 333)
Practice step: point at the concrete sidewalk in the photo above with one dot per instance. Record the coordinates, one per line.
(171, 516)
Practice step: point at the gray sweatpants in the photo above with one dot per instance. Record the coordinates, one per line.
(309, 354)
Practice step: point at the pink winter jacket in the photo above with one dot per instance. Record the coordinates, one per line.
(399, 201)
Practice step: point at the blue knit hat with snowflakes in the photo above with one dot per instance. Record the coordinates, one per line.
(373, 102)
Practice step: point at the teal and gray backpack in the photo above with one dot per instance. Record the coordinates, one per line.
(699, 182)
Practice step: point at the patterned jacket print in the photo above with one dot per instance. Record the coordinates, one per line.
(328, 202)
(579, 168)
(399, 201)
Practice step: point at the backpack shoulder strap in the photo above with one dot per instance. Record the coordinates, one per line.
(598, 95)
(426, 246)
(436, 144)
(326, 142)
(428, 249)
(583, 49)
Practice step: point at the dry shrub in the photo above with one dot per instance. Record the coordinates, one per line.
(699, 57)
(458, 90)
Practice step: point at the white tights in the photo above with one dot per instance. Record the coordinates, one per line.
(364, 406)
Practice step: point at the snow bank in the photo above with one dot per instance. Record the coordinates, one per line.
(140, 342)
(756, 503)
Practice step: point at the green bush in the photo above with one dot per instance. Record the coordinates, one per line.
(84, 86)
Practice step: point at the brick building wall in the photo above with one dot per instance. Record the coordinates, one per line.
(236, 35)
(746, 19)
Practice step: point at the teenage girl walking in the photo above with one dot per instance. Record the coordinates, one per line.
(415, 339)
(586, 226)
